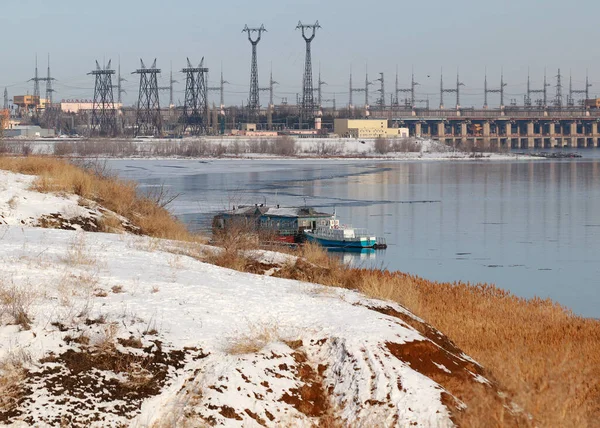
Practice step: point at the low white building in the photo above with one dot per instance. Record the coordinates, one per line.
(75, 106)
(29, 131)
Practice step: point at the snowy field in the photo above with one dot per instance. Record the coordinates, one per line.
(123, 330)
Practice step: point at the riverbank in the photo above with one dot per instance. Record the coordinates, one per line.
(551, 370)
(265, 148)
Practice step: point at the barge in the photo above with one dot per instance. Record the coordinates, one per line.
(295, 225)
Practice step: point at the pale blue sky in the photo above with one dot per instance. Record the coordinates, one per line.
(385, 34)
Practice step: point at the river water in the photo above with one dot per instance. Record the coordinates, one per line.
(529, 226)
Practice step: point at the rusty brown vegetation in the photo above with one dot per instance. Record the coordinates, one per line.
(546, 358)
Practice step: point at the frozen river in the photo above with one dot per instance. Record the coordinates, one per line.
(532, 227)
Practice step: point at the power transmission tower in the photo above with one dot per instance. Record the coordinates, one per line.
(51, 115)
(455, 90)
(543, 91)
(169, 88)
(195, 106)
(396, 90)
(527, 102)
(120, 89)
(36, 89)
(253, 99)
(585, 92)
(307, 109)
(270, 88)
(367, 83)
(330, 100)
(148, 119)
(381, 101)
(409, 102)
(350, 92)
(320, 84)
(49, 89)
(558, 102)
(500, 91)
(271, 106)
(221, 89)
(5, 99)
(104, 117)
(36, 81)
(119, 86)
(365, 90)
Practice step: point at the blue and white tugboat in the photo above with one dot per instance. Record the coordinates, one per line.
(330, 234)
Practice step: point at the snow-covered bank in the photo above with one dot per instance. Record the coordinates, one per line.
(115, 330)
(265, 148)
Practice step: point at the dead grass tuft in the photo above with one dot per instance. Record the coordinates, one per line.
(14, 304)
(109, 223)
(117, 289)
(234, 244)
(12, 376)
(183, 411)
(79, 253)
(253, 340)
(13, 202)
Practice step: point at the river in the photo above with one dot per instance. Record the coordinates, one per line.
(528, 226)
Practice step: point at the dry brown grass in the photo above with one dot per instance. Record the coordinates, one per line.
(12, 375)
(57, 175)
(253, 339)
(546, 358)
(183, 410)
(110, 223)
(79, 253)
(14, 305)
(234, 242)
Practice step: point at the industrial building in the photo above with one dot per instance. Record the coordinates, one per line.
(29, 131)
(75, 106)
(27, 102)
(367, 128)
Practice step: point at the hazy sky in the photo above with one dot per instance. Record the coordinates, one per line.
(469, 34)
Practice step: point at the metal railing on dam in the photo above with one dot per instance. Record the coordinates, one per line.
(481, 114)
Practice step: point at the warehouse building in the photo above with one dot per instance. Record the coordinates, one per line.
(367, 128)
(29, 131)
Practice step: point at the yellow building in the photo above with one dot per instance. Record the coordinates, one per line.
(26, 101)
(366, 128)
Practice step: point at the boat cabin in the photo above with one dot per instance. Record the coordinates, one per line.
(287, 222)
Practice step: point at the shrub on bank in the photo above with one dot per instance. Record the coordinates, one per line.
(283, 146)
(381, 145)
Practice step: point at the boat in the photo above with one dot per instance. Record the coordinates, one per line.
(295, 225)
(330, 234)
(283, 224)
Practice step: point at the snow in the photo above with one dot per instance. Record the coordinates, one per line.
(306, 148)
(21, 206)
(132, 285)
